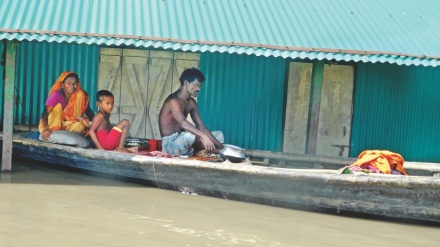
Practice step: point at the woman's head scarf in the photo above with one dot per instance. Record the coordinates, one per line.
(78, 101)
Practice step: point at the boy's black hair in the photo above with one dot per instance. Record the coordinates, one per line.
(190, 75)
(103, 93)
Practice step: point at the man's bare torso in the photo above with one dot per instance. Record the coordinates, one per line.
(167, 122)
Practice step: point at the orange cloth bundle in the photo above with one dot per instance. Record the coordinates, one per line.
(381, 159)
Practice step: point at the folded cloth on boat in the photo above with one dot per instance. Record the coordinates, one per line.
(383, 160)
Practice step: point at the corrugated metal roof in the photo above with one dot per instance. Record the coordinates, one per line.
(393, 31)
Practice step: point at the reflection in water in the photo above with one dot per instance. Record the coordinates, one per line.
(43, 205)
(216, 235)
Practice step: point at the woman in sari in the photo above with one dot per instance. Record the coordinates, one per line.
(65, 107)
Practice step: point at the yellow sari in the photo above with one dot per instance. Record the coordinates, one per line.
(72, 117)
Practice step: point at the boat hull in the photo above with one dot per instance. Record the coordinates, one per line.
(405, 198)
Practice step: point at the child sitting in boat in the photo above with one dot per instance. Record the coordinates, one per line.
(103, 135)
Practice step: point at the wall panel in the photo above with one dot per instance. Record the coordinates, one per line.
(397, 108)
(38, 66)
(244, 97)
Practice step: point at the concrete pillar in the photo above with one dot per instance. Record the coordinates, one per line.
(8, 110)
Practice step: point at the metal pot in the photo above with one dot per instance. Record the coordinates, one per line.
(232, 153)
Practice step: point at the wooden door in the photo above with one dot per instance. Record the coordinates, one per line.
(297, 107)
(335, 111)
(124, 73)
(134, 81)
(141, 80)
(165, 71)
(160, 86)
(109, 78)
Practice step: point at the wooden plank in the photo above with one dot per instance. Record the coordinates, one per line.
(135, 60)
(311, 159)
(335, 111)
(297, 107)
(134, 110)
(312, 140)
(187, 56)
(110, 51)
(137, 98)
(159, 88)
(133, 90)
(162, 54)
(113, 67)
(136, 53)
(109, 77)
(8, 107)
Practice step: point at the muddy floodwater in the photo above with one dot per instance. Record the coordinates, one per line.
(42, 205)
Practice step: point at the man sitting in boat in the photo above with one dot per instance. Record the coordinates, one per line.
(65, 107)
(103, 135)
(180, 137)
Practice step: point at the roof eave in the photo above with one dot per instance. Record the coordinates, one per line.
(216, 46)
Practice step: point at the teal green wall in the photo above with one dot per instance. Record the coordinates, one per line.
(397, 108)
(38, 66)
(244, 97)
(2, 73)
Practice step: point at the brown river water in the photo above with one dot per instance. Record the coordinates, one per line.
(43, 205)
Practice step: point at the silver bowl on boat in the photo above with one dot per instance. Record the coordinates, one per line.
(232, 153)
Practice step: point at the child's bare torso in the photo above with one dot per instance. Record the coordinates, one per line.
(105, 123)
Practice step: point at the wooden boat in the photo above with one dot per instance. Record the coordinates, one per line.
(277, 179)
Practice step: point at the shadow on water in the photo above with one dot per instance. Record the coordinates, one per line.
(37, 172)
(26, 171)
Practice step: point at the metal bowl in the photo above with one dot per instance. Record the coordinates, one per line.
(232, 153)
